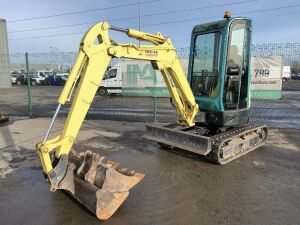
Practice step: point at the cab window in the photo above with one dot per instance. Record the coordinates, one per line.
(236, 84)
(205, 69)
(237, 44)
(111, 74)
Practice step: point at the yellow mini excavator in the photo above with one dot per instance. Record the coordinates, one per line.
(212, 103)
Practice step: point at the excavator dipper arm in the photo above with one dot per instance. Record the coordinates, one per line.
(83, 171)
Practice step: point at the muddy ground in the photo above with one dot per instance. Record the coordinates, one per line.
(262, 187)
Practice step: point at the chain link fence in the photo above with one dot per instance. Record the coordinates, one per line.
(131, 89)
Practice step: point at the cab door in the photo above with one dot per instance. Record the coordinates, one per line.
(205, 70)
(237, 77)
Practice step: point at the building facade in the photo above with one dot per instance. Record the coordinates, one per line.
(5, 81)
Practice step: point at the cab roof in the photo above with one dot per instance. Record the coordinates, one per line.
(216, 25)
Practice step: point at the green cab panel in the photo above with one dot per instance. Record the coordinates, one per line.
(219, 71)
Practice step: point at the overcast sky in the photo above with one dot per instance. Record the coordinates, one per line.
(269, 26)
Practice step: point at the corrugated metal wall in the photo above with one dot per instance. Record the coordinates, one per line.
(4, 57)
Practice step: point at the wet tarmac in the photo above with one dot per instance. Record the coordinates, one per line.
(262, 187)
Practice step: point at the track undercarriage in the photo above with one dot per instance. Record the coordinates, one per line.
(218, 145)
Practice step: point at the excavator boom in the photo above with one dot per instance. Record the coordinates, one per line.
(84, 171)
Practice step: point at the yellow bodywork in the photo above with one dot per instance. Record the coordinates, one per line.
(95, 53)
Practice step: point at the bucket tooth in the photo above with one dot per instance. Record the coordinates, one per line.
(88, 168)
(113, 164)
(123, 170)
(130, 173)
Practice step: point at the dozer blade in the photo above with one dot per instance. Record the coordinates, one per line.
(220, 148)
(101, 186)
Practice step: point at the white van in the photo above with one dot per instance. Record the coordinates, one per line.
(286, 74)
(41, 76)
(112, 81)
(136, 74)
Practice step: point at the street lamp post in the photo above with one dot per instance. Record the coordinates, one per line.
(51, 55)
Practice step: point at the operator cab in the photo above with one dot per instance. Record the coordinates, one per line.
(219, 72)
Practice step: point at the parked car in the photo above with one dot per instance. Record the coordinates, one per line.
(41, 76)
(295, 76)
(13, 79)
(22, 79)
(54, 80)
(62, 74)
(14, 73)
(36, 79)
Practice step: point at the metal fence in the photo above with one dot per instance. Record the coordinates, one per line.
(290, 51)
(123, 101)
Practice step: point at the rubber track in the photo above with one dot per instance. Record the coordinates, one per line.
(219, 139)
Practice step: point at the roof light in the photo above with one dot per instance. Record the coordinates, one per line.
(227, 14)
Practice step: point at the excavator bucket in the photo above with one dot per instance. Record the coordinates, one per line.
(101, 186)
